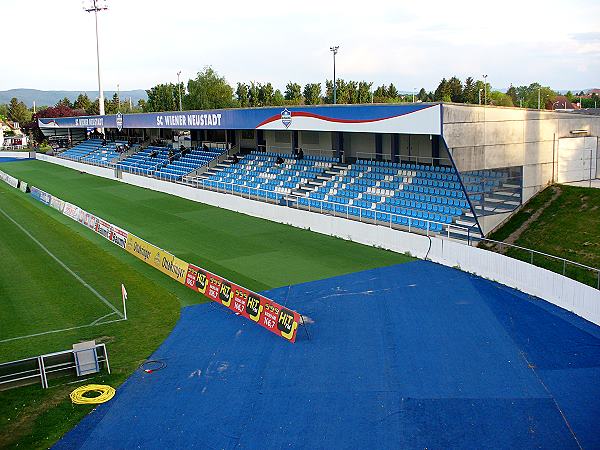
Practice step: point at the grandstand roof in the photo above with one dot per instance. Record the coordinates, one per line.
(420, 118)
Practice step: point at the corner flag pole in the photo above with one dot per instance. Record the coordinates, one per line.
(124, 295)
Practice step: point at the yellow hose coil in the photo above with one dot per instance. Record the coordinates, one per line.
(78, 395)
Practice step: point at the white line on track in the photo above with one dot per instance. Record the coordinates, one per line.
(63, 265)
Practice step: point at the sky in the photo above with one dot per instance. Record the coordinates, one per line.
(410, 43)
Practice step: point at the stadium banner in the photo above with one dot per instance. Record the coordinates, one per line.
(419, 118)
(71, 210)
(40, 195)
(118, 236)
(158, 258)
(103, 228)
(23, 186)
(12, 181)
(267, 313)
(87, 219)
(57, 203)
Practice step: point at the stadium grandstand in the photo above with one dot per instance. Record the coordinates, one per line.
(457, 170)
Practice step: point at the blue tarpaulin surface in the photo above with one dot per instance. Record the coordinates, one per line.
(410, 356)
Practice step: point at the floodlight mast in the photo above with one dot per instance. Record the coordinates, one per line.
(179, 88)
(334, 49)
(95, 6)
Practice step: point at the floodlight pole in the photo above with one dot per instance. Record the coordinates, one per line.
(480, 95)
(414, 89)
(179, 88)
(334, 49)
(485, 90)
(95, 7)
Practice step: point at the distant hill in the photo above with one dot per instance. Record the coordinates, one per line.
(50, 98)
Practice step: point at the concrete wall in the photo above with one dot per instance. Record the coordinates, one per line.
(494, 137)
(17, 155)
(561, 291)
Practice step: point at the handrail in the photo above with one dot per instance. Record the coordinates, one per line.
(291, 201)
(547, 255)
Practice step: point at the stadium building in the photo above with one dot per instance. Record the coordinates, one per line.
(459, 170)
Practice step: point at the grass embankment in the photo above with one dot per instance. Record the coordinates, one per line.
(568, 227)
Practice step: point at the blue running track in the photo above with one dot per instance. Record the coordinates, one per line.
(410, 356)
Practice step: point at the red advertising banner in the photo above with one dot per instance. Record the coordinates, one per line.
(267, 313)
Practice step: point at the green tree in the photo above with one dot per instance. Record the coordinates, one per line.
(209, 90)
(392, 92)
(455, 89)
(113, 105)
(442, 93)
(3, 110)
(529, 96)
(253, 94)
(265, 94)
(512, 93)
(380, 95)
(293, 93)
(278, 98)
(162, 97)
(422, 95)
(18, 111)
(312, 93)
(570, 96)
(82, 102)
(500, 99)
(364, 92)
(64, 102)
(470, 94)
(241, 93)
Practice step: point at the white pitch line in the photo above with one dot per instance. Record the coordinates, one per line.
(59, 331)
(96, 322)
(63, 265)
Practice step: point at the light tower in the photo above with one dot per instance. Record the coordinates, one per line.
(96, 6)
(334, 49)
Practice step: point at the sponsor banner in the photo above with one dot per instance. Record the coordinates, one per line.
(9, 179)
(267, 313)
(40, 195)
(103, 228)
(71, 210)
(57, 203)
(157, 257)
(118, 236)
(23, 186)
(87, 219)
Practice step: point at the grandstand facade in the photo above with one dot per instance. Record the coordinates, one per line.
(459, 170)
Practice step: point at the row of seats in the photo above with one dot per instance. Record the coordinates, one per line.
(183, 165)
(105, 154)
(420, 220)
(143, 163)
(260, 171)
(82, 149)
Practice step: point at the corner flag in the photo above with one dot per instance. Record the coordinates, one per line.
(124, 294)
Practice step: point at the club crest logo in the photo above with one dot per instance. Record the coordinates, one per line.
(119, 120)
(286, 118)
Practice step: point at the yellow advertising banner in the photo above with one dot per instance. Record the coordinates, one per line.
(157, 257)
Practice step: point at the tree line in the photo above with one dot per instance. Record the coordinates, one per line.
(209, 90)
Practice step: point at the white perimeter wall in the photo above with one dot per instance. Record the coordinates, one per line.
(17, 155)
(554, 288)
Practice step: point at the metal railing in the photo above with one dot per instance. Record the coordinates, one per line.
(41, 368)
(571, 269)
(394, 220)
